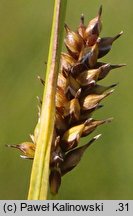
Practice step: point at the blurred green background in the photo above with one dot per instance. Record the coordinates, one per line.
(106, 170)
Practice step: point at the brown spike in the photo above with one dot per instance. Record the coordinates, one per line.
(77, 96)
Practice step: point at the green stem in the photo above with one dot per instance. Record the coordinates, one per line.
(40, 171)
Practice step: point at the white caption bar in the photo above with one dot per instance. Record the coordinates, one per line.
(67, 207)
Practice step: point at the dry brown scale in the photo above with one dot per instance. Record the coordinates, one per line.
(78, 96)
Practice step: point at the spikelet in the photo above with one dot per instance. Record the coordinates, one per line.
(77, 96)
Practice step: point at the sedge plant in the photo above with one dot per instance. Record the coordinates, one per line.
(72, 94)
